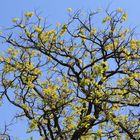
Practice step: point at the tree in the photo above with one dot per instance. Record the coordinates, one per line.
(76, 81)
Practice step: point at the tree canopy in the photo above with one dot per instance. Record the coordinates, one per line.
(78, 80)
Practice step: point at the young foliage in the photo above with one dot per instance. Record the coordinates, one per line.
(76, 81)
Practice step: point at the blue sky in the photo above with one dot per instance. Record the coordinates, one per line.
(55, 11)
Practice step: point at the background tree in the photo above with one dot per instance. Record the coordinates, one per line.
(80, 79)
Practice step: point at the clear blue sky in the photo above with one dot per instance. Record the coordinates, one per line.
(55, 11)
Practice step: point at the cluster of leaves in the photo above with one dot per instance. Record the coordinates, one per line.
(74, 81)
